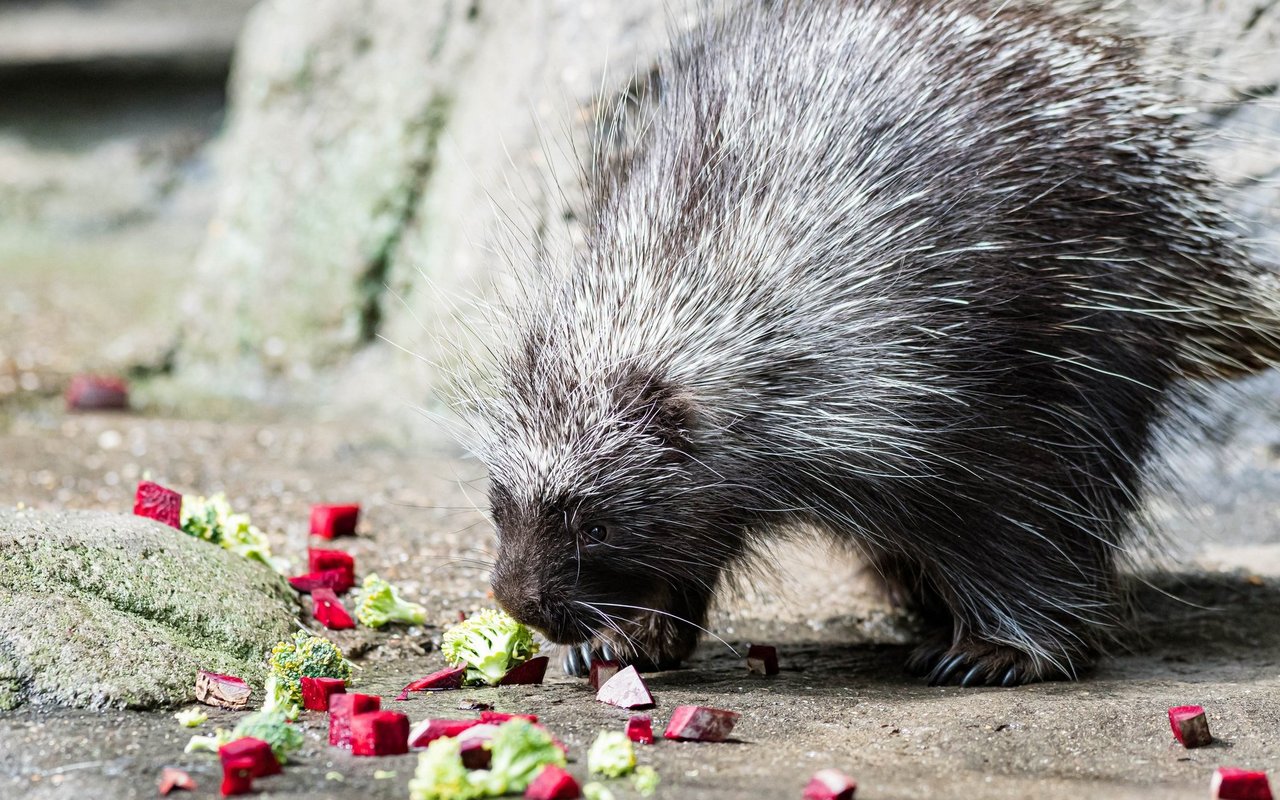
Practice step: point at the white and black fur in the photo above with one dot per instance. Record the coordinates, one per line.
(923, 274)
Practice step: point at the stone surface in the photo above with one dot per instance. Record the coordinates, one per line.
(103, 610)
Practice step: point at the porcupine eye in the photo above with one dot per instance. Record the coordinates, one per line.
(596, 534)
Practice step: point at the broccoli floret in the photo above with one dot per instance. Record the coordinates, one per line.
(441, 774)
(611, 755)
(380, 603)
(645, 781)
(273, 728)
(279, 699)
(211, 519)
(191, 717)
(208, 744)
(490, 643)
(596, 791)
(520, 749)
(309, 656)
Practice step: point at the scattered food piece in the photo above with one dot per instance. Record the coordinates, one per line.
(625, 690)
(645, 781)
(317, 691)
(97, 393)
(428, 730)
(224, 691)
(611, 755)
(171, 779)
(553, 783)
(191, 717)
(640, 729)
(497, 717)
(1190, 726)
(310, 656)
(489, 644)
(319, 560)
(237, 776)
(700, 724)
(529, 673)
(596, 791)
(1239, 784)
(334, 775)
(379, 733)
(330, 521)
(279, 698)
(342, 707)
(762, 659)
(208, 744)
(383, 774)
(381, 604)
(338, 581)
(441, 775)
(256, 751)
(272, 727)
(211, 519)
(830, 784)
(520, 749)
(329, 611)
(475, 743)
(436, 681)
(601, 672)
(153, 501)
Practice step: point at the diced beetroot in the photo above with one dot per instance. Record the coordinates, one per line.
(319, 560)
(257, 751)
(601, 672)
(427, 731)
(329, 611)
(625, 690)
(640, 729)
(342, 707)
(337, 580)
(379, 733)
(471, 743)
(700, 724)
(497, 717)
(830, 784)
(97, 393)
(444, 679)
(762, 659)
(237, 776)
(552, 783)
(329, 521)
(530, 672)
(156, 502)
(224, 691)
(1239, 784)
(171, 779)
(1190, 726)
(316, 692)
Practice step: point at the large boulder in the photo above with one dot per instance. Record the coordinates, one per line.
(103, 610)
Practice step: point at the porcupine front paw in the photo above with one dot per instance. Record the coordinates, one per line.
(650, 644)
(577, 658)
(974, 662)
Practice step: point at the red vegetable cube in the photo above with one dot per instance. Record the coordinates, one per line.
(237, 776)
(640, 729)
(256, 750)
(444, 679)
(1239, 784)
(379, 733)
(97, 393)
(472, 743)
(224, 691)
(601, 672)
(329, 611)
(497, 717)
(338, 580)
(427, 731)
(1190, 726)
(317, 692)
(830, 784)
(700, 724)
(625, 690)
(319, 560)
(762, 659)
(330, 521)
(552, 783)
(156, 502)
(171, 779)
(530, 672)
(342, 707)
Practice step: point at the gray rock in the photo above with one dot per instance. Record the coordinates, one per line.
(104, 610)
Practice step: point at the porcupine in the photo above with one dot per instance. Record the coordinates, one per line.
(924, 275)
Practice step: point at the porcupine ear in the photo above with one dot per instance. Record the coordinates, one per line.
(662, 408)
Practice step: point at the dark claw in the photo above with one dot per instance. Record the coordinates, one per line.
(606, 651)
(973, 677)
(942, 673)
(1010, 677)
(573, 662)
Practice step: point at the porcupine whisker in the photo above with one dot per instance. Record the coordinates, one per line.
(675, 617)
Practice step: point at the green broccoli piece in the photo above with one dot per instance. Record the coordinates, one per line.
(279, 698)
(611, 755)
(191, 717)
(520, 749)
(208, 744)
(380, 603)
(645, 781)
(273, 728)
(441, 774)
(211, 519)
(596, 791)
(490, 643)
(306, 656)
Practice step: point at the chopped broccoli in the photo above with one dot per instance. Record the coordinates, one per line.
(208, 744)
(191, 717)
(279, 699)
(490, 643)
(596, 791)
(441, 774)
(645, 781)
(309, 656)
(611, 755)
(273, 728)
(520, 749)
(380, 603)
(211, 519)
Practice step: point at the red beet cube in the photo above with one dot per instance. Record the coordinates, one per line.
(329, 611)
(640, 729)
(552, 783)
(237, 776)
(444, 679)
(316, 692)
(1190, 726)
(224, 691)
(156, 502)
(830, 784)
(337, 580)
(319, 560)
(330, 521)
(601, 672)
(530, 672)
(762, 659)
(257, 751)
(625, 690)
(171, 779)
(1239, 784)
(700, 724)
(379, 733)
(97, 393)
(427, 731)
(497, 717)
(342, 707)
(471, 743)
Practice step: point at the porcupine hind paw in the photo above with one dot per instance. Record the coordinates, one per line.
(974, 662)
